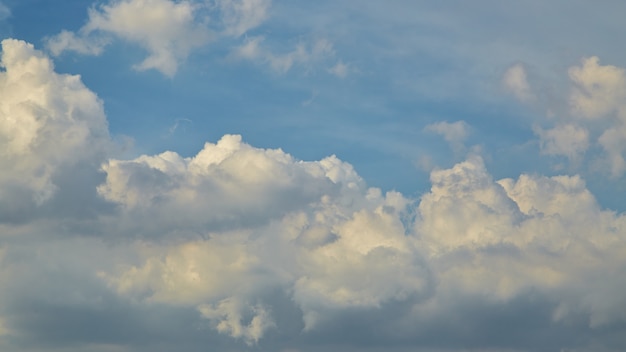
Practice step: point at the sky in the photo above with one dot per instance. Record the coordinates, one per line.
(301, 176)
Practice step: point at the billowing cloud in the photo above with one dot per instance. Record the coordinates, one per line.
(352, 249)
(311, 228)
(242, 246)
(501, 240)
(49, 122)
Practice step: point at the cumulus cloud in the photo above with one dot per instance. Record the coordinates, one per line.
(321, 232)
(597, 117)
(599, 96)
(598, 90)
(516, 82)
(253, 185)
(48, 122)
(246, 244)
(167, 30)
(567, 140)
(353, 249)
(503, 238)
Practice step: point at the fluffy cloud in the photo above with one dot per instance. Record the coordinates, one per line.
(352, 250)
(251, 245)
(318, 233)
(168, 30)
(501, 239)
(596, 117)
(252, 185)
(598, 90)
(568, 140)
(48, 122)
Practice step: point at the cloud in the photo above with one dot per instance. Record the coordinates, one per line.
(567, 140)
(350, 251)
(5, 12)
(454, 133)
(240, 16)
(254, 185)
(501, 239)
(340, 69)
(313, 213)
(167, 30)
(48, 123)
(599, 95)
(304, 54)
(68, 41)
(598, 90)
(240, 245)
(596, 117)
(170, 30)
(516, 82)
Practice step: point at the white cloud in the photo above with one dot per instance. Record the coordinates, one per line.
(168, 30)
(454, 133)
(253, 184)
(568, 140)
(502, 239)
(599, 96)
(321, 231)
(348, 248)
(240, 16)
(516, 82)
(597, 117)
(351, 248)
(598, 90)
(48, 121)
(68, 41)
(238, 235)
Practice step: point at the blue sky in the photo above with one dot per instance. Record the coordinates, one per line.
(258, 175)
